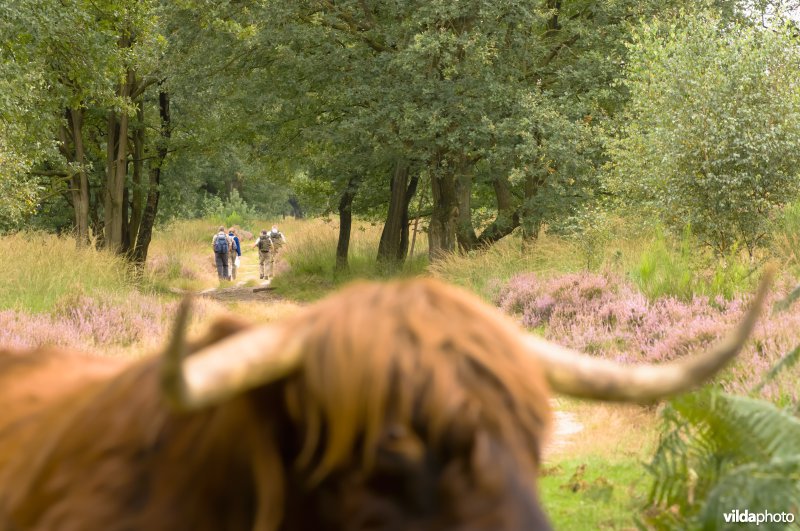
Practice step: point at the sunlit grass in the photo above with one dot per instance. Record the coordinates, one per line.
(310, 257)
(45, 268)
(595, 478)
(487, 270)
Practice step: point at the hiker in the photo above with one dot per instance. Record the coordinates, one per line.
(278, 240)
(234, 255)
(277, 237)
(222, 245)
(264, 245)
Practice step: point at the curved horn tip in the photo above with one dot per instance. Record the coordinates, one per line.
(173, 384)
(767, 277)
(578, 375)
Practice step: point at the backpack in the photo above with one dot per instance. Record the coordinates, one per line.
(276, 238)
(264, 244)
(220, 244)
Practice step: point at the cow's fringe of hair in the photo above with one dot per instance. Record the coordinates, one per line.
(410, 350)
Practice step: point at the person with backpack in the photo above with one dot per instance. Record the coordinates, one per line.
(222, 246)
(234, 255)
(264, 245)
(278, 240)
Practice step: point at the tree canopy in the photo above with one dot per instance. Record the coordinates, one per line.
(499, 116)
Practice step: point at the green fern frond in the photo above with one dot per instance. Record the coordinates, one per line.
(773, 487)
(788, 361)
(787, 302)
(719, 450)
(742, 427)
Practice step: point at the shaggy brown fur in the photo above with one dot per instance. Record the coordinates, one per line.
(415, 407)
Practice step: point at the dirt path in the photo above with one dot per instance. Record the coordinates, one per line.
(246, 287)
(566, 427)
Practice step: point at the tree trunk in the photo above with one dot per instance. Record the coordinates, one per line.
(116, 170)
(404, 224)
(444, 218)
(507, 213)
(297, 212)
(80, 181)
(531, 216)
(137, 194)
(148, 220)
(389, 246)
(346, 223)
(416, 223)
(126, 232)
(465, 233)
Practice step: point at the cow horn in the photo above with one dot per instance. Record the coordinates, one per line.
(575, 374)
(226, 368)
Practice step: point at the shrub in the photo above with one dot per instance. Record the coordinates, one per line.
(231, 211)
(786, 236)
(712, 132)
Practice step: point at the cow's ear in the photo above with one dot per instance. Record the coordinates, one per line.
(221, 328)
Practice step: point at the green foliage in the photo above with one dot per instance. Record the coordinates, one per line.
(483, 91)
(591, 229)
(711, 137)
(721, 452)
(785, 237)
(56, 56)
(195, 185)
(233, 211)
(681, 269)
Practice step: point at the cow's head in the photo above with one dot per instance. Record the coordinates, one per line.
(408, 405)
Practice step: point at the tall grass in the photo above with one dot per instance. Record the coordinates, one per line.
(46, 268)
(180, 256)
(785, 242)
(310, 257)
(683, 268)
(659, 264)
(486, 271)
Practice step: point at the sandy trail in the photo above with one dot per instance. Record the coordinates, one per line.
(243, 288)
(566, 428)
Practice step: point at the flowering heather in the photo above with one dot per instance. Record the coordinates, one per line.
(93, 324)
(607, 316)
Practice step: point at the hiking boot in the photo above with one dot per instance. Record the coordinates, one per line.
(261, 277)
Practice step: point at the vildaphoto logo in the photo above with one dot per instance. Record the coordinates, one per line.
(762, 517)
